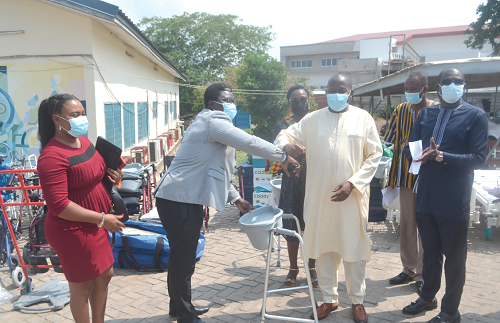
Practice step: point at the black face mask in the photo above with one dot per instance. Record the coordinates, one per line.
(300, 108)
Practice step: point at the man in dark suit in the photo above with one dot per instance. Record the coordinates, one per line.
(454, 135)
(201, 174)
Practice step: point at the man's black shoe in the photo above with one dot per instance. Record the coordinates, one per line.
(197, 320)
(419, 287)
(445, 318)
(420, 305)
(200, 310)
(402, 278)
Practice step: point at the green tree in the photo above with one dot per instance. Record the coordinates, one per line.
(486, 29)
(203, 45)
(260, 72)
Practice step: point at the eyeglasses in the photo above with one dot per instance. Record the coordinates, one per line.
(303, 100)
(228, 100)
(449, 81)
(340, 91)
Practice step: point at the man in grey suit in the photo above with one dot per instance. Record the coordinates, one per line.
(201, 174)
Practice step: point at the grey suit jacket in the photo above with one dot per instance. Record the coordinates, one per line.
(203, 168)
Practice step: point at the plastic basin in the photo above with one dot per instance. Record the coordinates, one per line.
(276, 185)
(259, 222)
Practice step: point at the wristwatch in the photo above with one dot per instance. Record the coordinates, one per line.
(439, 157)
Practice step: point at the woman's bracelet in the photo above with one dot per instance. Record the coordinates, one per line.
(102, 222)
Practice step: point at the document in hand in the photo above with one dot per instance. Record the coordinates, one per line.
(111, 155)
(416, 152)
(390, 194)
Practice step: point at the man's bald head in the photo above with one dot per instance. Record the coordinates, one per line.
(340, 79)
(339, 86)
(450, 72)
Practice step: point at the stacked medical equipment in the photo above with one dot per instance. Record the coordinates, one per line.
(262, 190)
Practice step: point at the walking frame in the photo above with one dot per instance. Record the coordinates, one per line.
(264, 315)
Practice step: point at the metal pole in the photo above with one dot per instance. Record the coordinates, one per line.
(266, 279)
(308, 275)
(387, 110)
(390, 53)
(495, 106)
(371, 104)
(404, 45)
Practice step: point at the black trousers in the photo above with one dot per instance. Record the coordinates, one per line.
(182, 221)
(440, 237)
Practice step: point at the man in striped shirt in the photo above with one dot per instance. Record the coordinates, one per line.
(398, 132)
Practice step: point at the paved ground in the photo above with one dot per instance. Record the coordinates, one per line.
(230, 279)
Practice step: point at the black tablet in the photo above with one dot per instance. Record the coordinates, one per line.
(111, 155)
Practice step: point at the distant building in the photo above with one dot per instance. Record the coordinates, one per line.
(88, 48)
(367, 57)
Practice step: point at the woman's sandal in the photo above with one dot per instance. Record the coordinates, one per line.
(314, 281)
(291, 282)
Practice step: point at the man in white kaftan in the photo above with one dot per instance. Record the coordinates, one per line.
(343, 150)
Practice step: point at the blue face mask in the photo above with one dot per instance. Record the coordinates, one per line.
(79, 126)
(414, 98)
(452, 93)
(337, 101)
(229, 109)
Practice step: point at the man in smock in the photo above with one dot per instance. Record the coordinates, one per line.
(343, 150)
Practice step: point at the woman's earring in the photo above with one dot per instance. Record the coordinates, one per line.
(60, 127)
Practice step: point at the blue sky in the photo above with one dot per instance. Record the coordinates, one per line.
(305, 22)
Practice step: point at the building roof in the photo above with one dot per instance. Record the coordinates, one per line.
(112, 13)
(409, 34)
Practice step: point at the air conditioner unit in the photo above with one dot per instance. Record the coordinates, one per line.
(154, 151)
(139, 155)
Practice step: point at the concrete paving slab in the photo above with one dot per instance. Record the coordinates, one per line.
(230, 279)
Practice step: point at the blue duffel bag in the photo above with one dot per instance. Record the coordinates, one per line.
(145, 251)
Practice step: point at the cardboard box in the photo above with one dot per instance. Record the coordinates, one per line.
(261, 199)
(261, 180)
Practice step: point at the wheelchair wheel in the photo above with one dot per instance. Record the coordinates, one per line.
(18, 277)
(26, 250)
(15, 260)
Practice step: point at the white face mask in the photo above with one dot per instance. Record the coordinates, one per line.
(451, 93)
(414, 98)
(337, 101)
(79, 126)
(229, 109)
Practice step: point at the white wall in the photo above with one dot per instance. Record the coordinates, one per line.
(48, 29)
(130, 80)
(446, 48)
(46, 58)
(319, 79)
(433, 48)
(375, 48)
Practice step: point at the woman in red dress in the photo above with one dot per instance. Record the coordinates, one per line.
(77, 222)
